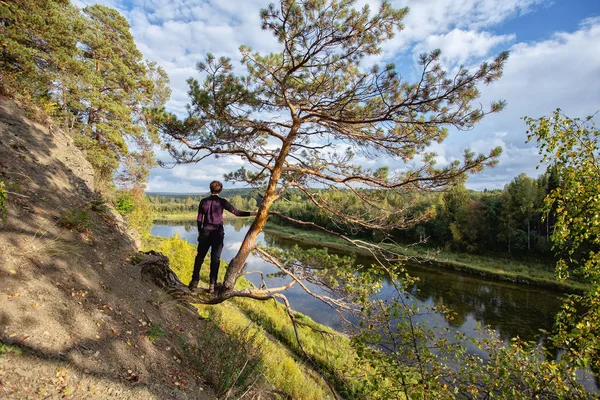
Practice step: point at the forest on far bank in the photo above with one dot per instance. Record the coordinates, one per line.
(508, 221)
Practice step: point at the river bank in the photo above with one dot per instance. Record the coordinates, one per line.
(185, 217)
(509, 270)
(182, 217)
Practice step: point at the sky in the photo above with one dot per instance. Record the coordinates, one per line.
(554, 63)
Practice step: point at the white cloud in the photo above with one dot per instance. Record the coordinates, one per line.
(513, 161)
(430, 17)
(460, 47)
(561, 72)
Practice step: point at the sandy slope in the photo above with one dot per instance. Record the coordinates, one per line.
(71, 303)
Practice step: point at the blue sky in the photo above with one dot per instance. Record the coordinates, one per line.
(554, 62)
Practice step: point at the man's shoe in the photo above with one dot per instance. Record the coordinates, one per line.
(211, 288)
(193, 285)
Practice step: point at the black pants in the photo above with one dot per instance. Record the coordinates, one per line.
(214, 240)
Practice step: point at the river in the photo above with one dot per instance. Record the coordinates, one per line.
(510, 309)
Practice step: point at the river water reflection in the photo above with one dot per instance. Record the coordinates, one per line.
(511, 310)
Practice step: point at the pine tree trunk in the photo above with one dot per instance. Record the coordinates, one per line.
(529, 235)
(237, 265)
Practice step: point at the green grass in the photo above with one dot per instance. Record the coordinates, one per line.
(185, 217)
(230, 363)
(329, 351)
(191, 216)
(6, 348)
(75, 219)
(505, 269)
(155, 332)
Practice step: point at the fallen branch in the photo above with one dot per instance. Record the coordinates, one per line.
(18, 195)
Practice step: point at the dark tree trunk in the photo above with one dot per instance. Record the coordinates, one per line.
(529, 235)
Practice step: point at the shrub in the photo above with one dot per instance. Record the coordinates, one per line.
(76, 219)
(134, 206)
(99, 205)
(155, 332)
(181, 255)
(124, 203)
(141, 216)
(5, 348)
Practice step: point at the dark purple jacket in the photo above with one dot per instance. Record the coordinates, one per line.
(210, 212)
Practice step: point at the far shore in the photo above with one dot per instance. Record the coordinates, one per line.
(528, 273)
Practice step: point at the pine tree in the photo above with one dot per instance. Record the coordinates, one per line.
(286, 115)
(38, 48)
(119, 86)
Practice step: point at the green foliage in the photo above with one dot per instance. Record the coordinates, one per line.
(5, 348)
(39, 42)
(3, 200)
(99, 205)
(124, 202)
(423, 364)
(516, 370)
(121, 84)
(181, 255)
(571, 147)
(489, 223)
(77, 219)
(142, 216)
(170, 205)
(155, 332)
(136, 208)
(83, 69)
(176, 205)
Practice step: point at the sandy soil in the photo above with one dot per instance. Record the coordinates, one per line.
(73, 310)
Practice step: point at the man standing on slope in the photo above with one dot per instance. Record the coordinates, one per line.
(211, 232)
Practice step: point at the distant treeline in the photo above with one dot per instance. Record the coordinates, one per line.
(498, 221)
(507, 221)
(178, 203)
